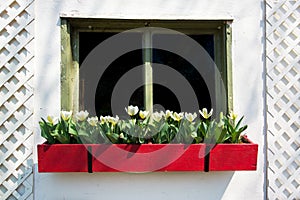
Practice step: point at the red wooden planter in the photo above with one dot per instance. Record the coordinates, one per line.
(62, 158)
(228, 157)
(146, 157)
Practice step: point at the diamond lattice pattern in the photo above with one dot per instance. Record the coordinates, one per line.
(283, 98)
(16, 99)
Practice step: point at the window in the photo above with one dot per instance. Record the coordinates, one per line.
(81, 36)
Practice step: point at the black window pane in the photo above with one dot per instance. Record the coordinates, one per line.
(186, 69)
(110, 78)
(164, 98)
(111, 75)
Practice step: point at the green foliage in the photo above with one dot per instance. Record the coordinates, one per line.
(234, 130)
(157, 128)
(63, 132)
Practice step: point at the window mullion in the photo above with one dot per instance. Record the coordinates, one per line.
(148, 94)
(69, 68)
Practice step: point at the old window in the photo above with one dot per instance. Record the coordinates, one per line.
(83, 89)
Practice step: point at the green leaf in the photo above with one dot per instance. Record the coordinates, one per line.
(113, 137)
(61, 135)
(72, 129)
(222, 137)
(164, 127)
(82, 132)
(141, 140)
(243, 128)
(46, 132)
(230, 128)
(239, 122)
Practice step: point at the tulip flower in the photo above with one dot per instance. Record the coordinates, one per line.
(143, 114)
(65, 115)
(52, 120)
(157, 116)
(205, 114)
(177, 116)
(168, 114)
(82, 115)
(121, 136)
(103, 119)
(132, 110)
(113, 120)
(190, 117)
(93, 121)
(194, 134)
(232, 115)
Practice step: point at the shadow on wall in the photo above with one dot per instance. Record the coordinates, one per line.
(133, 186)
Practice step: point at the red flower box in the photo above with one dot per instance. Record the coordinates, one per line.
(62, 158)
(146, 157)
(228, 157)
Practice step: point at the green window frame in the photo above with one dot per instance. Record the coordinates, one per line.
(71, 27)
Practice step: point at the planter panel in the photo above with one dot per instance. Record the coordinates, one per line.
(231, 157)
(62, 158)
(146, 157)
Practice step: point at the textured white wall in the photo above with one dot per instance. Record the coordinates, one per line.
(248, 64)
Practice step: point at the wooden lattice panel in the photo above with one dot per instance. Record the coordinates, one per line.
(283, 98)
(16, 99)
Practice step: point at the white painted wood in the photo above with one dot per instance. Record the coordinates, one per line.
(16, 105)
(283, 98)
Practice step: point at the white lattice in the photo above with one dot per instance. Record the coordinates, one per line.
(283, 98)
(16, 99)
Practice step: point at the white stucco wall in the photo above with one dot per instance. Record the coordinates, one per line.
(248, 83)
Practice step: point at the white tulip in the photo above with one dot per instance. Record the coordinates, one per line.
(194, 134)
(190, 117)
(52, 120)
(113, 120)
(143, 114)
(132, 110)
(232, 115)
(93, 121)
(205, 114)
(121, 136)
(177, 116)
(103, 119)
(82, 115)
(168, 114)
(65, 115)
(156, 116)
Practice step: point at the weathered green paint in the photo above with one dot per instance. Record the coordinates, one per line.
(117, 25)
(75, 69)
(69, 71)
(229, 66)
(218, 52)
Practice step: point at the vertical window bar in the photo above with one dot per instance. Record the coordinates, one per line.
(228, 43)
(147, 46)
(75, 69)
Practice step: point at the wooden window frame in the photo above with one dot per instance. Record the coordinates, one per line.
(70, 28)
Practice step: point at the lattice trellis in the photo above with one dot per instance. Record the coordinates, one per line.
(16, 99)
(283, 98)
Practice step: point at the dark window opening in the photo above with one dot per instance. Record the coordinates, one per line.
(161, 94)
